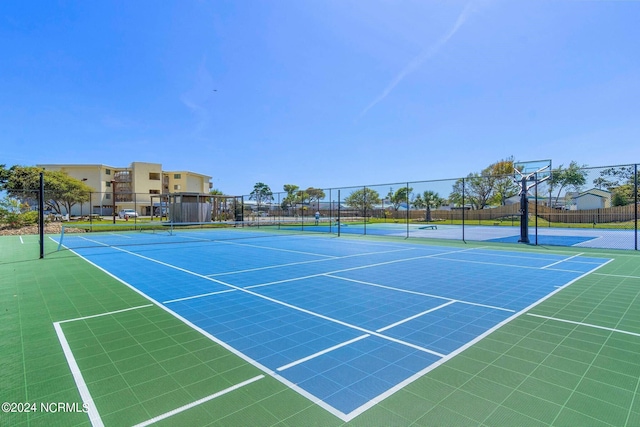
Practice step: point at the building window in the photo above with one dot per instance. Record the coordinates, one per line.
(154, 176)
(176, 187)
(107, 196)
(154, 191)
(107, 171)
(108, 183)
(177, 176)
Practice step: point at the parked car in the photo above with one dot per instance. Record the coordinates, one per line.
(127, 213)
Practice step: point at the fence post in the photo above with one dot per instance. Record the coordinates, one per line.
(41, 214)
(408, 210)
(364, 196)
(338, 223)
(463, 207)
(635, 199)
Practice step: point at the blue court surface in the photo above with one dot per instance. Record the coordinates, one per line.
(343, 322)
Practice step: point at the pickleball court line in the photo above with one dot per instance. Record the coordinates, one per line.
(420, 293)
(285, 304)
(312, 398)
(270, 267)
(329, 408)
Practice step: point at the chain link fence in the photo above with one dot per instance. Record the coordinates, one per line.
(586, 207)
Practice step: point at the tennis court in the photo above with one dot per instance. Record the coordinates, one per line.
(601, 238)
(265, 327)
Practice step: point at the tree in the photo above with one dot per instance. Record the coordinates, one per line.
(261, 193)
(290, 200)
(477, 190)
(363, 200)
(314, 194)
(504, 186)
(428, 200)
(574, 176)
(399, 197)
(620, 181)
(61, 191)
(5, 174)
(611, 178)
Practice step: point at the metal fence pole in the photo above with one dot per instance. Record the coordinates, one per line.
(41, 214)
(339, 208)
(463, 207)
(364, 196)
(635, 199)
(535, 211)
(408, 216)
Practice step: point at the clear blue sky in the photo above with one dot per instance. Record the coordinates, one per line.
(321, 93)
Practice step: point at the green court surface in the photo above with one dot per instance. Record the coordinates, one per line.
(71, 330)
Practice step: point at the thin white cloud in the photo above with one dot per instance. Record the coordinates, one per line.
(416, 62)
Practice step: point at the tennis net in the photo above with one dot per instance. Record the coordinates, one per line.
(75, 236)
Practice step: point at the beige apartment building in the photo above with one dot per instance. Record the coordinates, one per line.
(139, 186)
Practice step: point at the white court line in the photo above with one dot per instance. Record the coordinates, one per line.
(229, 242)
(321, 403)
(105, 314)
(454, 353)
(590, 325)
(294, 307)
(617, 275)
(378, 264)
(561, 261)
(92, 410)
(199, 296)
(420, 293)
(415, 316)
(312, 398)
(21, 241)
(320, 353)
(199, 402)
(248, 270)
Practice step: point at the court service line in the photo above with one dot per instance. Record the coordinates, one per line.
(415, 316)
(420, 293)
(228, 242)
(312, 398)
(285, 304)
(208, 294)
(459, 350)
(320, 353)
(561, 261)
(21, 241)
(199, 402)
(92, 410)
(616, 275)
(106, 314)
(378, 264)
(590, 325)
(249, 270)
